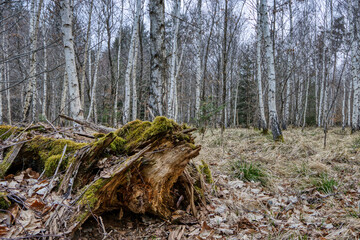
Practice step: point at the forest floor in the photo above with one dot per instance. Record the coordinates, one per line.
(299, 190)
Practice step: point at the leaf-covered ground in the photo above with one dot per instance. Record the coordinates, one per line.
(303, 192)
(298, 190)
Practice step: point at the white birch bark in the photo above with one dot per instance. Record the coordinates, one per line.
(343, 112)
(349, 103)
(262, 120)
(64, 96)
(289, 70)
(274, 122)
(174, 51)
(30, 95)
(128, 73)
(134, 65)
(1, 102)
(118, 66)
(92, 108)
(66, 8)
(198, 59)
(82, 83)
(323, 82)
(306, 96)
(44, 104)
(157, 58)
(354, 66)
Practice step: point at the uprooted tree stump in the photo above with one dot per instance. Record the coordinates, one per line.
(135, 168)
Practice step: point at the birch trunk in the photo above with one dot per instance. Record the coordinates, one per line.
(224, 73)
(198, 59)
(274, 122)
(5, 77)
(128, 73)
(157, 55)
(173, 83)
(134, 70)
(262, 120)
(349, 103)
(118, 65)
(44, 105)
(66, 9)
(355, 32)
(343, 108)
(64, 96)
(82, 74)
(30, 95)
(92, 108)
(289, 71)
(306, 97)
(1, 102)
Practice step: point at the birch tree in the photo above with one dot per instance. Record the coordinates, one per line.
(262, 120)
(118, 65)
(354, 63)
(44, 103)
(274, 122)
(92, 108)
(66, 9)
(157, 56)
(173, 83)
(30, 95)
(135, 59)
(131, 64)
(198, 58)
(82, 84)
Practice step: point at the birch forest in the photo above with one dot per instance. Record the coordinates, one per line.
(180, 119)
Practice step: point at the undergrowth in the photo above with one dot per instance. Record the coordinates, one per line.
(325, 184)
(248, 172)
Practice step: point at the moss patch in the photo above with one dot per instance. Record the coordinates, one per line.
(136, 132)
(6, 131)
(89, 198)
(4, 202)
(205, 170)
(50, 151)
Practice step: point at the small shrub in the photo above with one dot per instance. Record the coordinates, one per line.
(325, 184)
(356, 143)
(248, 172)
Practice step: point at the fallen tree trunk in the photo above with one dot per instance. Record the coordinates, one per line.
(133, 168)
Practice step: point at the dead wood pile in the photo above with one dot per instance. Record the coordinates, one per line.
(54, 179)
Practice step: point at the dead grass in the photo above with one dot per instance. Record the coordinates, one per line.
(297, 166)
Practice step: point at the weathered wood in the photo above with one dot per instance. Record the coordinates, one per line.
(134, 168)
(98, 128)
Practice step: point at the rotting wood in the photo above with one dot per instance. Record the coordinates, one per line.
(98, 128)
(135, 168)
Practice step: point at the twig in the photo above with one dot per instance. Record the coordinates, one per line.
(51, 124)
(84, 135)
(56, 171)
(6, 132)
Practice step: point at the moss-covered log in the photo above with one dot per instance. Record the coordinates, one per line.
(133, 168)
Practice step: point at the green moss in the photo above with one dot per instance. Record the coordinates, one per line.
(50, 151)
(159, 125)
(280, 139)
(4, 165)
(82, 216)
(4, 202)
(182, 137)
(98, 135)
(204, 169)
(6, 131)
(89, 198)
(193, 146)
(137, 132)
(118, 145)
(52, 162)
